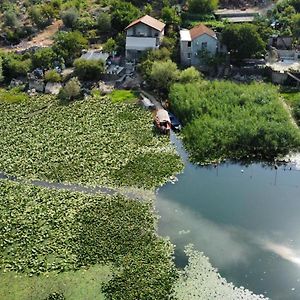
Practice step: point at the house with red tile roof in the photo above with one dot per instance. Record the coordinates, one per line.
(143, 34)
(194, 41)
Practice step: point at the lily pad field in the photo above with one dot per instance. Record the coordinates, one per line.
(90, 142)
(52, 233)
(58, 244)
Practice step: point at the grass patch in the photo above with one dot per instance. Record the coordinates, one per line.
(84, 142)
(293, 100)
(228, 120)
(43, 230)
(73, 285)
(12, 96)
(118, 96)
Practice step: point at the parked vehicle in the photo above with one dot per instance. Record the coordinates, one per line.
(175, 124)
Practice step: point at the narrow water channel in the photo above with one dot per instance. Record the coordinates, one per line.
(245, 219)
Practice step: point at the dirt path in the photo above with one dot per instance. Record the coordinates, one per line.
(42, 39)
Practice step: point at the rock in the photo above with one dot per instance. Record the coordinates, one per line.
(53, 88)
(105, 88)
(37, 84)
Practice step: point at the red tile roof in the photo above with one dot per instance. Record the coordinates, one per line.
(201, 29)
(148, 20)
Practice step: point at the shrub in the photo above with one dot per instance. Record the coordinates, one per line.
(89, 69)
(16, 65)
(44, 58)
(71, 90)
(70, 17)
(52, 76)
(190, 75)
(10, 19)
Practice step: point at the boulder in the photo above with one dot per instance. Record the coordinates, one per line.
(37, 85)
(53, 88)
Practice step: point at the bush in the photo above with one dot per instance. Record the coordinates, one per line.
(70, 17)
(44, 58)
(71, 90)
(10, 19)
(15, 66)
(89, 69)
(52, 76)
(190, 75)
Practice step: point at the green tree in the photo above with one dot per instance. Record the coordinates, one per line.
(190, 75)
(44, 58)
(123, 14)
(296, 25)
(89, 69)
(104, 22)
(163, 75)
(70, 17)
(243, 40)
(110, 46)
(170, 16)
(148, 9)
(71, 90)
(202, 6)
(152, 56)
(69, 45)
(85, 24)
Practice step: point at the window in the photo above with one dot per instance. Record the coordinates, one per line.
(189, 55)
(204, 45)
(189, 44)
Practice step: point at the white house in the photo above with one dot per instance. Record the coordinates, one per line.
(143, 34)
(195, 40)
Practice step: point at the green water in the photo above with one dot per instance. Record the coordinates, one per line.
(245, 219)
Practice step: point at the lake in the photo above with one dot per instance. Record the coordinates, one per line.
(245, 219)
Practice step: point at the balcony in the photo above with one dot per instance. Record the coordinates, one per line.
(141, 43)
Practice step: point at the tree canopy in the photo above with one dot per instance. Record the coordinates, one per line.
(243, 40)
(69, 45)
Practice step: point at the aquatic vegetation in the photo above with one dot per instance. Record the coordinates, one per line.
(12, 96)
(44, 230)
(92, 142)
(118, 96)
(293, 100)
(200, 281)
(80, 284)
(229, 120)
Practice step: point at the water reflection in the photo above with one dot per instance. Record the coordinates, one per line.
(244, 218)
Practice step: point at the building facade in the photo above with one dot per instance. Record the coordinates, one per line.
(196, 43)
(141, 35)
